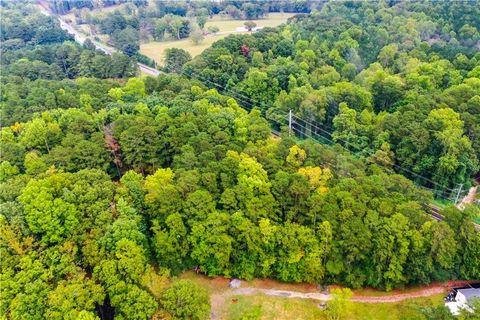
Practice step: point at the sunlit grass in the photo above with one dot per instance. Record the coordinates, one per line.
(230, 25)
(156, 50)
(260, 306)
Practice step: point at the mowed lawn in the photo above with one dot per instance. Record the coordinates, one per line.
(260, 306)
(228, 25)
(156, 49)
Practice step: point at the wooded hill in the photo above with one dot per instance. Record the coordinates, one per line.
(107, 185)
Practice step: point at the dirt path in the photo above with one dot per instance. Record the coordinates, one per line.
(469, 198)
(430, 291)
(283, 293)
(219, 300)
(400, 297)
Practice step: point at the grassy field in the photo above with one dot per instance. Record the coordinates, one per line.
(477, 219)
(442, 203)
(260, 306)
(155, 50)
(229, 25)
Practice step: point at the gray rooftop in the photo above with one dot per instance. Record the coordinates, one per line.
(470, 293)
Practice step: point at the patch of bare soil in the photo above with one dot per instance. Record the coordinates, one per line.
(398, 295)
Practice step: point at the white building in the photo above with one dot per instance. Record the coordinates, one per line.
(462, 298)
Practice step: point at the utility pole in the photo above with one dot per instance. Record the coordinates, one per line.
(290, 122)
(458, 193)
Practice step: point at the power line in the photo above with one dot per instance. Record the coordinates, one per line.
(330, 134)
(435, 191)
(393, 164)
(235, 95)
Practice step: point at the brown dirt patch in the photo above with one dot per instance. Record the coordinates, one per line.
(376, 296)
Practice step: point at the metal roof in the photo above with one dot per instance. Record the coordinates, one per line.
(470, 293)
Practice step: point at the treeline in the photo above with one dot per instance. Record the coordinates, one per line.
(65, 60)
(97, 203)
(398, 82)
(137, 21)
(35, 47)
(235, 8)
(22, 98)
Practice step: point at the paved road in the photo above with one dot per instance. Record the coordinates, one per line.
(80, 38)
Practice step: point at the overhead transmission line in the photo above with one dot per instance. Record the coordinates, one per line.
(247, 101)
(314, 136)
(235, 94)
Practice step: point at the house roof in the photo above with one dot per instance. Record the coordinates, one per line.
(470, 293)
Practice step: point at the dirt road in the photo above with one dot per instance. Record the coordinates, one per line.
(469, 198)
(219, 300)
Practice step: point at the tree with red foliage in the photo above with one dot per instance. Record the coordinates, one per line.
(245, 50)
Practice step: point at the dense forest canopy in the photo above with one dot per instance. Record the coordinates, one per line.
(171, 175)
(35, 47)
(401, 80)
(109, 187)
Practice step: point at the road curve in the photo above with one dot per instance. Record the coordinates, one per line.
(80, 38)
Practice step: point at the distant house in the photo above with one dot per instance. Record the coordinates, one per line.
(462, 300)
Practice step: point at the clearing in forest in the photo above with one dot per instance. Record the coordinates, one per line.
(271, 299)
(156, 49)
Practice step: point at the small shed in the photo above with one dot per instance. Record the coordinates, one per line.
(235, 283)
(465, 295)
(462, 299)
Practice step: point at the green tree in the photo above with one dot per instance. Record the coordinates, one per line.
(211, 245)
(175, 59)
(132, 302)
(259, 87)
(127, 40)
(171, 243)
(47, 212)
(73, 297)
(337, 307)
(162, 196)
(140, 147)
(249, 25)
(39, 134)
(7, 171)
(196, 36)
(186, 300)
(213, 29)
